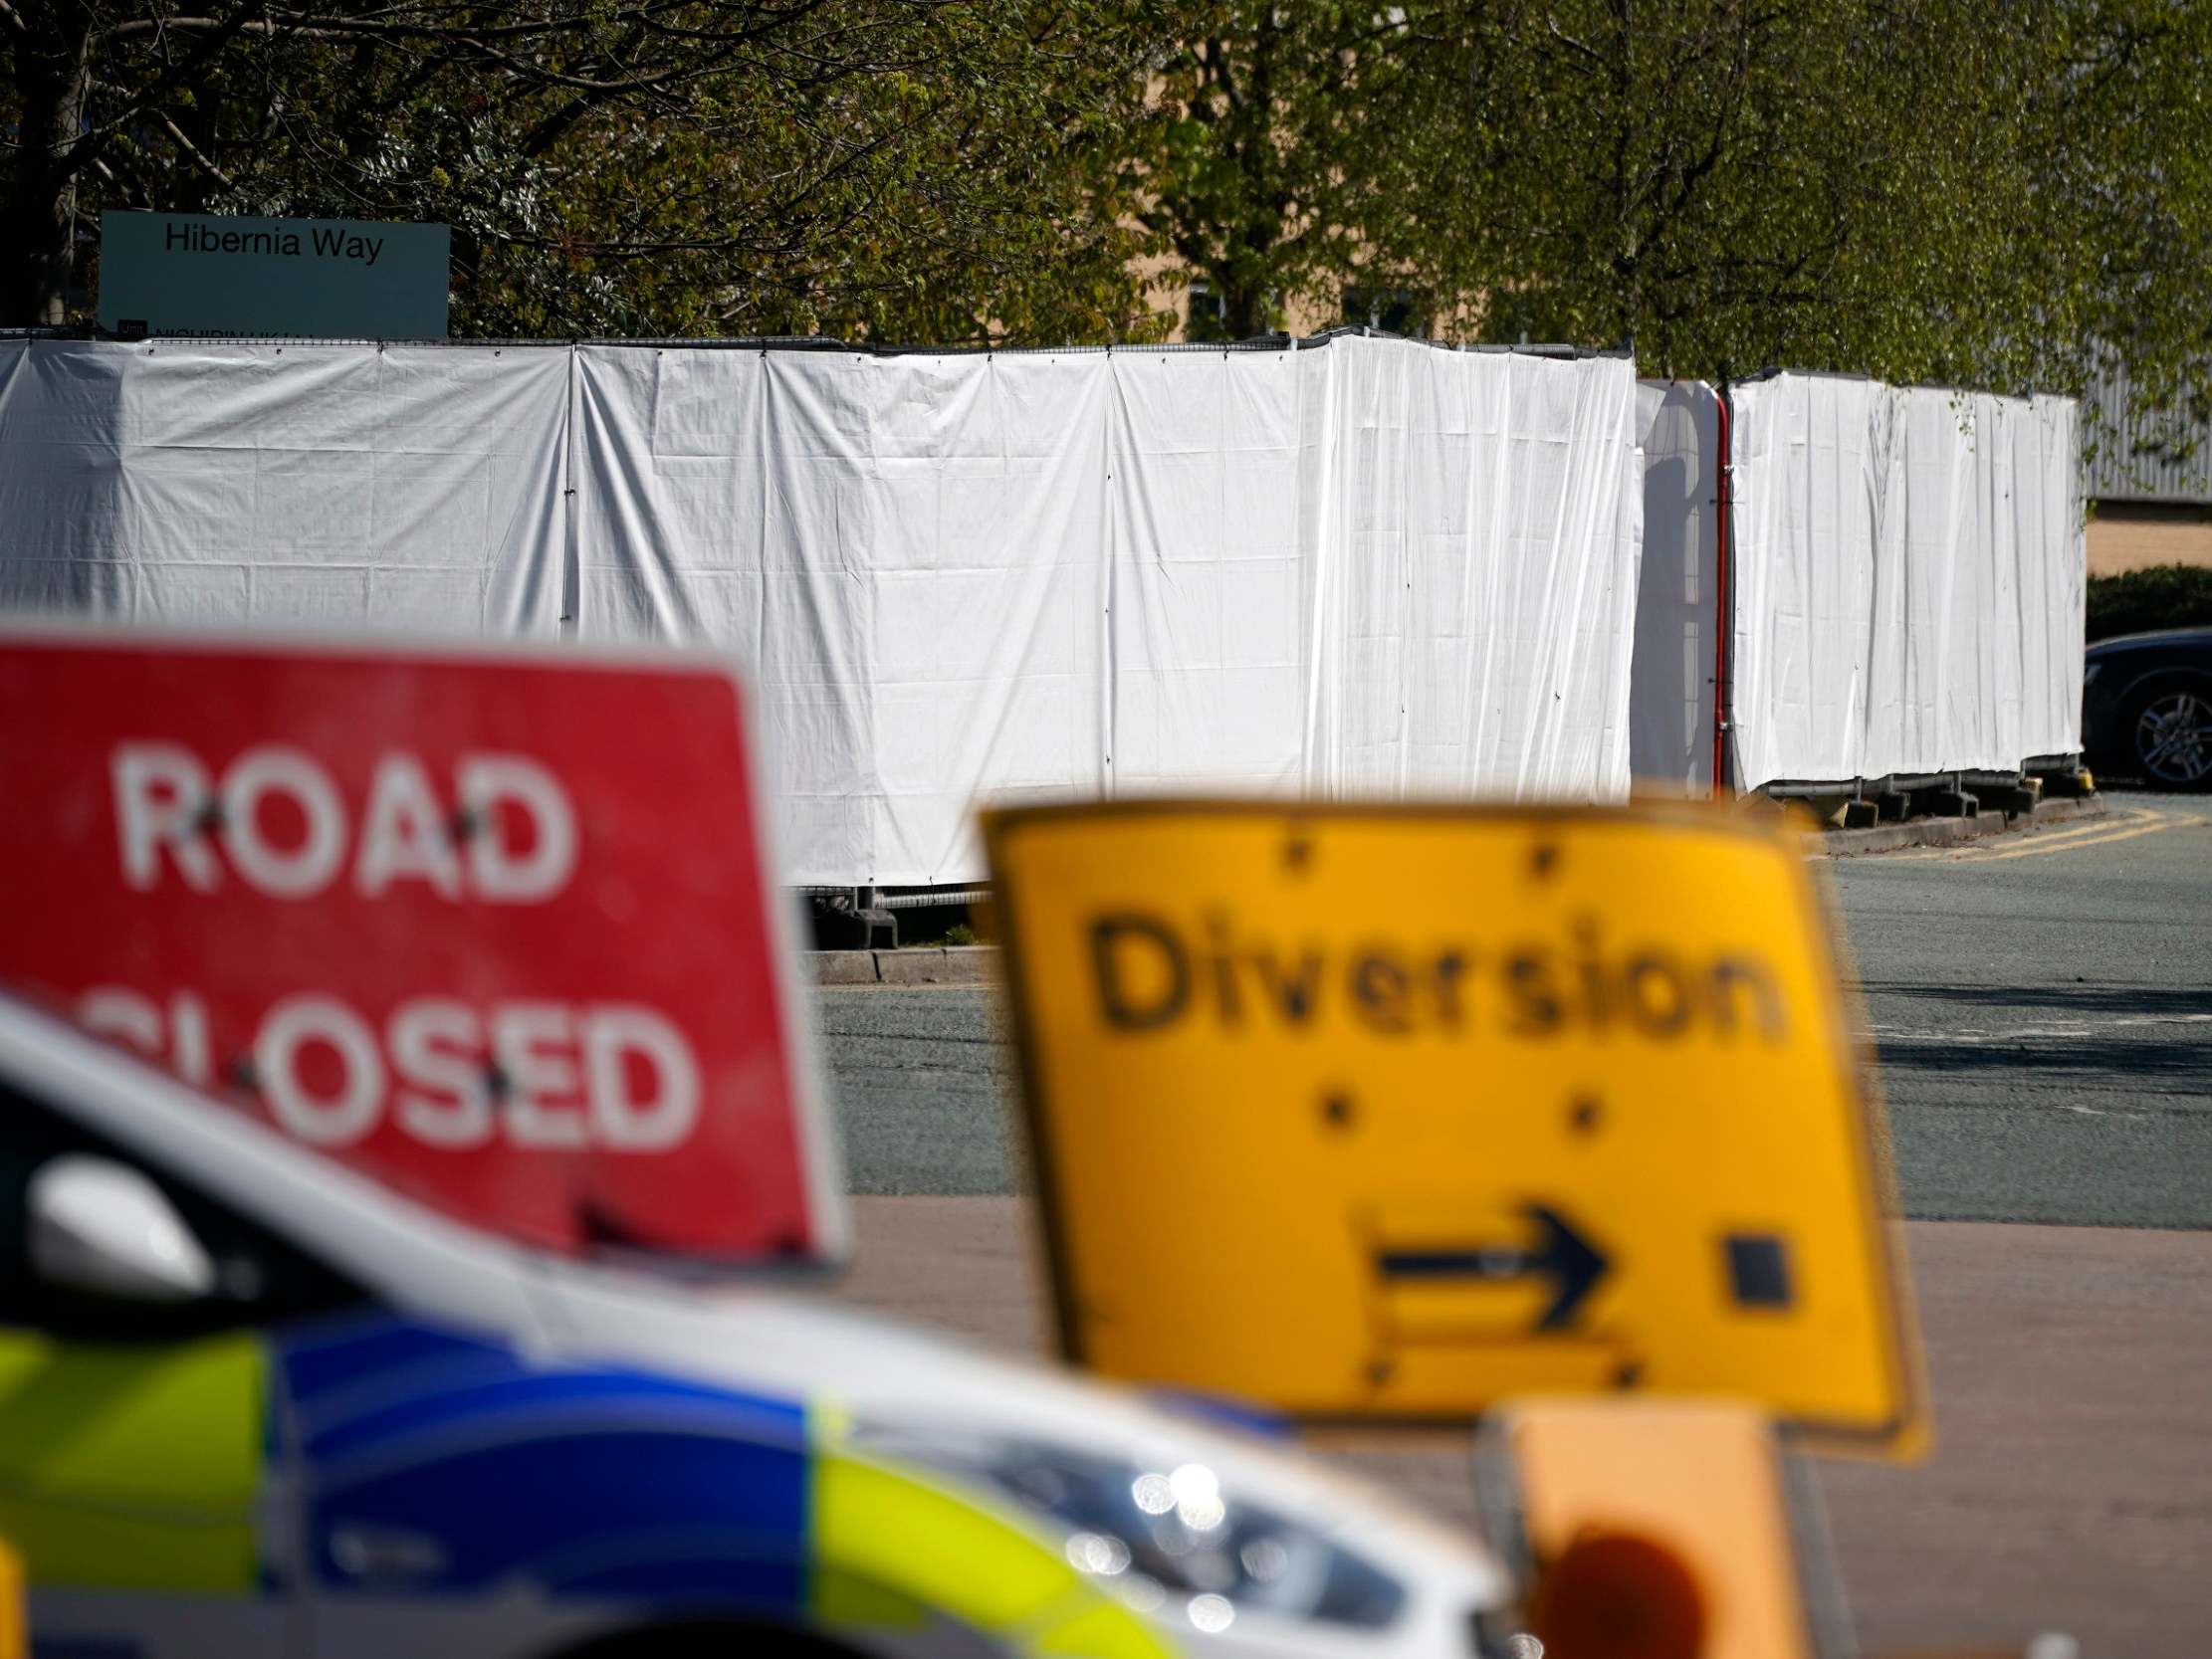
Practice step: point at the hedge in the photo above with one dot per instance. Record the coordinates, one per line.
(2157, 596)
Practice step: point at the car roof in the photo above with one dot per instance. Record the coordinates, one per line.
(2154, 636)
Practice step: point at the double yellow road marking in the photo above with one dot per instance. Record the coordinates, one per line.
(2124, 826)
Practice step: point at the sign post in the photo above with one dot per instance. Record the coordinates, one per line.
(1577, 1110)
(495, 926)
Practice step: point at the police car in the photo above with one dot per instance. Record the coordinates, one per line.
(252, 1403)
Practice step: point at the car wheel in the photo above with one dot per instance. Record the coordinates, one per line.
(2167, 731)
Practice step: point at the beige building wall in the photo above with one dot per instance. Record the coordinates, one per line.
(2128, 537)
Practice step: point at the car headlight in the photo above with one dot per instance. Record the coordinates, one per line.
(1158, 1537)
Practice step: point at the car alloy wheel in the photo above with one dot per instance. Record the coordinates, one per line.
(2173, 739)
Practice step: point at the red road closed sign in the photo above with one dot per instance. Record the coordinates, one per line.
(494, 926)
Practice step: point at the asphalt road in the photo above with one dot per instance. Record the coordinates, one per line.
(2042, 1003)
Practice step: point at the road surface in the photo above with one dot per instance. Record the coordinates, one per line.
(2042, 1005)
(2042, 1002)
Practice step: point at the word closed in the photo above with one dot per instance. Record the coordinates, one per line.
(528, 1073)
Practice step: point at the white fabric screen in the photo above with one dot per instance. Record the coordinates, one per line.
(1671, 702)
(1909, 579)
(1216, 552)
(309, 485)
(1368, 567)
(909, 553)
(1478, 603)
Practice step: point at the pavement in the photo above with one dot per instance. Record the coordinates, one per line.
(2071, 1483)
(2042, 1005)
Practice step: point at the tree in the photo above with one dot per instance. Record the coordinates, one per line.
(1964, 191)
(1743, 181)
(2122, 150)
(1967, 191)
(934, 169)
(1267, 168)
(1973, 191)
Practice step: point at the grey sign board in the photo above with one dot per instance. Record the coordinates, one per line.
(193, 273)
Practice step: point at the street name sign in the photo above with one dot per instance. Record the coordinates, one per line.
(1387, 1112)
(495, 926)
(198, 274)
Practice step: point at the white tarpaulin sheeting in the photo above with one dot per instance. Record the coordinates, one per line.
(1909, 575)
(908, 552)
(1671, 700)
(315, 485)
(1909, 582)
(1479, 546)
(1373, 568)
(1369, 567)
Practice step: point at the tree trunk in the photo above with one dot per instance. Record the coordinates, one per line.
(1243, 312)
(52, 76)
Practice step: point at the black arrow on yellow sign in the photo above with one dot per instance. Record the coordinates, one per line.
(1561, 1254)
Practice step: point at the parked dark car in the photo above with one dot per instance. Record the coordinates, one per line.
(2147, 707)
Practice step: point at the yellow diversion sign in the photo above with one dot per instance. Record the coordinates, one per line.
(1385, 1113)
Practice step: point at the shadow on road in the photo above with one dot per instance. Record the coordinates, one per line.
(2159, 1066)
(2106, 1000)
(2133, 1033)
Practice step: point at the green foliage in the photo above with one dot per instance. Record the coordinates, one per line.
(2160, 596)
(1267, 168)
(935, 171)
(1729, 185)
(1972, 192)
(1978, 192)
